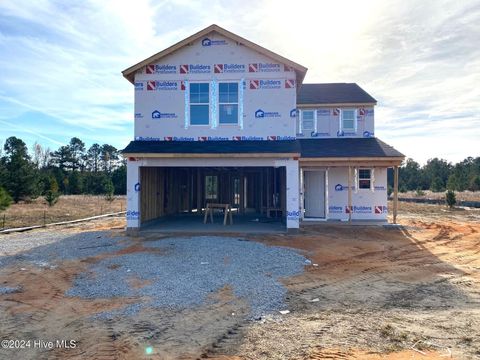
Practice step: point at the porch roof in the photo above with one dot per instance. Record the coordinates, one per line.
(231, 148)
(332, 148)
(347, 148)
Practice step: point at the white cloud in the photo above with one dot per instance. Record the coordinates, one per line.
(421, 60)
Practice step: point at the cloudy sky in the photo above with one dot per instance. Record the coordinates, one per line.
(60, 62)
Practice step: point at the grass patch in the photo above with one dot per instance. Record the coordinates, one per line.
(68, 207)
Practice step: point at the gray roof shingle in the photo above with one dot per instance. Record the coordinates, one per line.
(334, 93)
(334, 147)
(347, 147)
(213, 147)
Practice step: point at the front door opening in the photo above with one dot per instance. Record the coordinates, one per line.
(314, 194)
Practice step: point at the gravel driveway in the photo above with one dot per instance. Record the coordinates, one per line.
(178, 273)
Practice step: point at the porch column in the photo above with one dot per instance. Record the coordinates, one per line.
(133, 195)
(395, 193)
(293, 194)
(350, 208)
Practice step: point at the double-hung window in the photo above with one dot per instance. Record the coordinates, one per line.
(348, 119)
(364, 178)
(308, 121)
(199, 104)
(228, 103)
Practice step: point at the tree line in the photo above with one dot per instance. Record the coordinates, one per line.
(439, 175)
(71, 169)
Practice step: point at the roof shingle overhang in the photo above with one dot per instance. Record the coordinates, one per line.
(213, 149)
(333, 94)
(312, 152)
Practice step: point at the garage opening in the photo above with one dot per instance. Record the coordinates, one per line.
(255, 194)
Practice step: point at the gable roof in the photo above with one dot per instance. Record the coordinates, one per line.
(333, 93)
(300, 70)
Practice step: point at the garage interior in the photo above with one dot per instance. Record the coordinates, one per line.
(255, 194)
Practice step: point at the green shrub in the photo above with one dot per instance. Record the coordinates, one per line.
(109, 190)
(51, 197)
(450, 198)
(419, 192)
(5, 199)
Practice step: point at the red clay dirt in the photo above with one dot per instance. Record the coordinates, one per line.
(374, 293)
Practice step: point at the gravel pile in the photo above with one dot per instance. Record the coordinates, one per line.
(9, 290)
(44, 247)
(190, 269)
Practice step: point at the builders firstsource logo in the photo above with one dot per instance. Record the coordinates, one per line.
(139, 86)
(289, 84)
(264, 67)
(333, 209)
(265, 84)
(212, 138)
(228, 68)
(246, 138)
(358, 209)
(280, 138)
(177, 138)
(161, 69)
(195, 69)
(381, 209)
(162, 85)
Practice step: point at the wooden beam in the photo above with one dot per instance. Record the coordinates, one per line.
(350, 208)
(395, 194)
(199, 191)
(242, 192)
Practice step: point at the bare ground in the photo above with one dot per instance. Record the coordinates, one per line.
(408, 293)
(69, 207)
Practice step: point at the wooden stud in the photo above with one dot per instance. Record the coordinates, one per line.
(242, 191)
(199, 191)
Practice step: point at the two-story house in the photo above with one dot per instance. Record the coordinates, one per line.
(221, 119)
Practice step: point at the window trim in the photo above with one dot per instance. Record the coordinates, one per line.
(224, 103)
(207, 103)
(354, 128)
(300, 125)
(370, 179)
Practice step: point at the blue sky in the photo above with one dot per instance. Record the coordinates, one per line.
(60, 62)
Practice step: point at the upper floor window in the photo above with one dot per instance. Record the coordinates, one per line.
(228, 103)
(364, 178)
(308, 121)
(348, 119)
(199, 104)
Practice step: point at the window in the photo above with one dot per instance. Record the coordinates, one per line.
(348, 119)
(199, 104)
(228, 103)
(364, 178)
(308, 121)
(211, 187)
